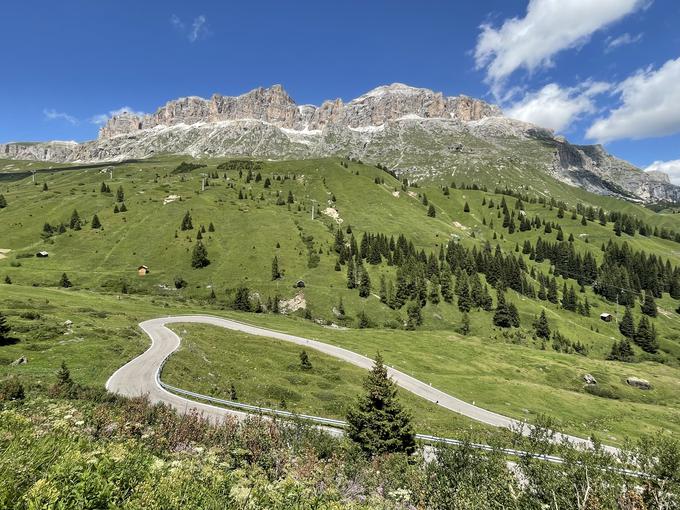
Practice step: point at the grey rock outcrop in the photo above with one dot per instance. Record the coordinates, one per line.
(636, 382)
(414, 131)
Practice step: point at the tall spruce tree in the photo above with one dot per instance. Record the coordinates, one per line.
(120, 194)
(64, 281)
(75, 223)
(276, 274)
(199, 257)
(627, 326)
(3, 201)
(464, 301)
(377, 422)
(645, 336)
(364, 283)
(351, 277)
(186, 222)
(648, 306)
(431, 212)
(242, 299)
(95, 222)
(541, 326)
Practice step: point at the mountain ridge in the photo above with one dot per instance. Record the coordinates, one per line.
(414, 131)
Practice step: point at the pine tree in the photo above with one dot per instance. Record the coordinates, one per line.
(120, 194)
(415, 316)
(364, 283)
(115, 209)
(377, 422)
(232, 393)
(3, 201)
(648, 306)
(351, 278)
(186, 222)
(5, 330)
(305, 364)
(464, 301)
(445, 284)
(541, 326)
(622, 351)
(363, 321)
(95, 222)
(64, 380)
(45, 188)
(123, 208)
(8, 280)
(75, 223)
(627, 326)
(290, 198)
(103, 188)
(276, 274)
(199, 257)
(242, 299)
(503, 316)
(645, 336)
(65, 282)
(466, 207)
(211, 227)
(431, 211)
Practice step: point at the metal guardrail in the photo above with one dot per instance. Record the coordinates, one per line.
(329, 422)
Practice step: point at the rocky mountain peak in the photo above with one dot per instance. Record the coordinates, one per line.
(275, 106)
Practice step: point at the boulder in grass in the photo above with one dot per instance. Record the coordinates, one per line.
(589, 379)
(636, 382)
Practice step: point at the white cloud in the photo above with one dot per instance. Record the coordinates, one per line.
(51, 114)
(672, 168)
(555, 107)
(102, 118)
(650, 106)
(198, 29)
(177, 23)
(624, 39)
(548, 27)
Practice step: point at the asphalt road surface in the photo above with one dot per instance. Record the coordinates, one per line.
(141, 375)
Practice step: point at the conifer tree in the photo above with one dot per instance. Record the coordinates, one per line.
(464, 301)
(3, 201)
(95, 222)
(199, 256)
(120, 194)
(627, 326)
(415, 316)
(44, 187)
(233, 396)
(65, 282)
(123, 208)
(5, 330)
(115, 209)
(648, 306)
(75, 223)
(211, 227)
(351, 277)
(103, 188)
(276, 274)
(431, 211)
(645, 336)
(305, 364)
(622, 351)
(466, 207)
(364, 283)
(186, 222)
(445, 284)
(242, 300)
(541, 326)
(64, 380)
(377, 422)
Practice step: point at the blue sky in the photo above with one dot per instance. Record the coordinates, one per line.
(596, 71)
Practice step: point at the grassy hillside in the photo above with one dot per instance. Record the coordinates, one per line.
(508, 370)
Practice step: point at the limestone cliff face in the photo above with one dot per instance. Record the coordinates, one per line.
(415, 131)
(275, 106)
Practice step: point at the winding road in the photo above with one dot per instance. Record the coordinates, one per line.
(141, 376)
